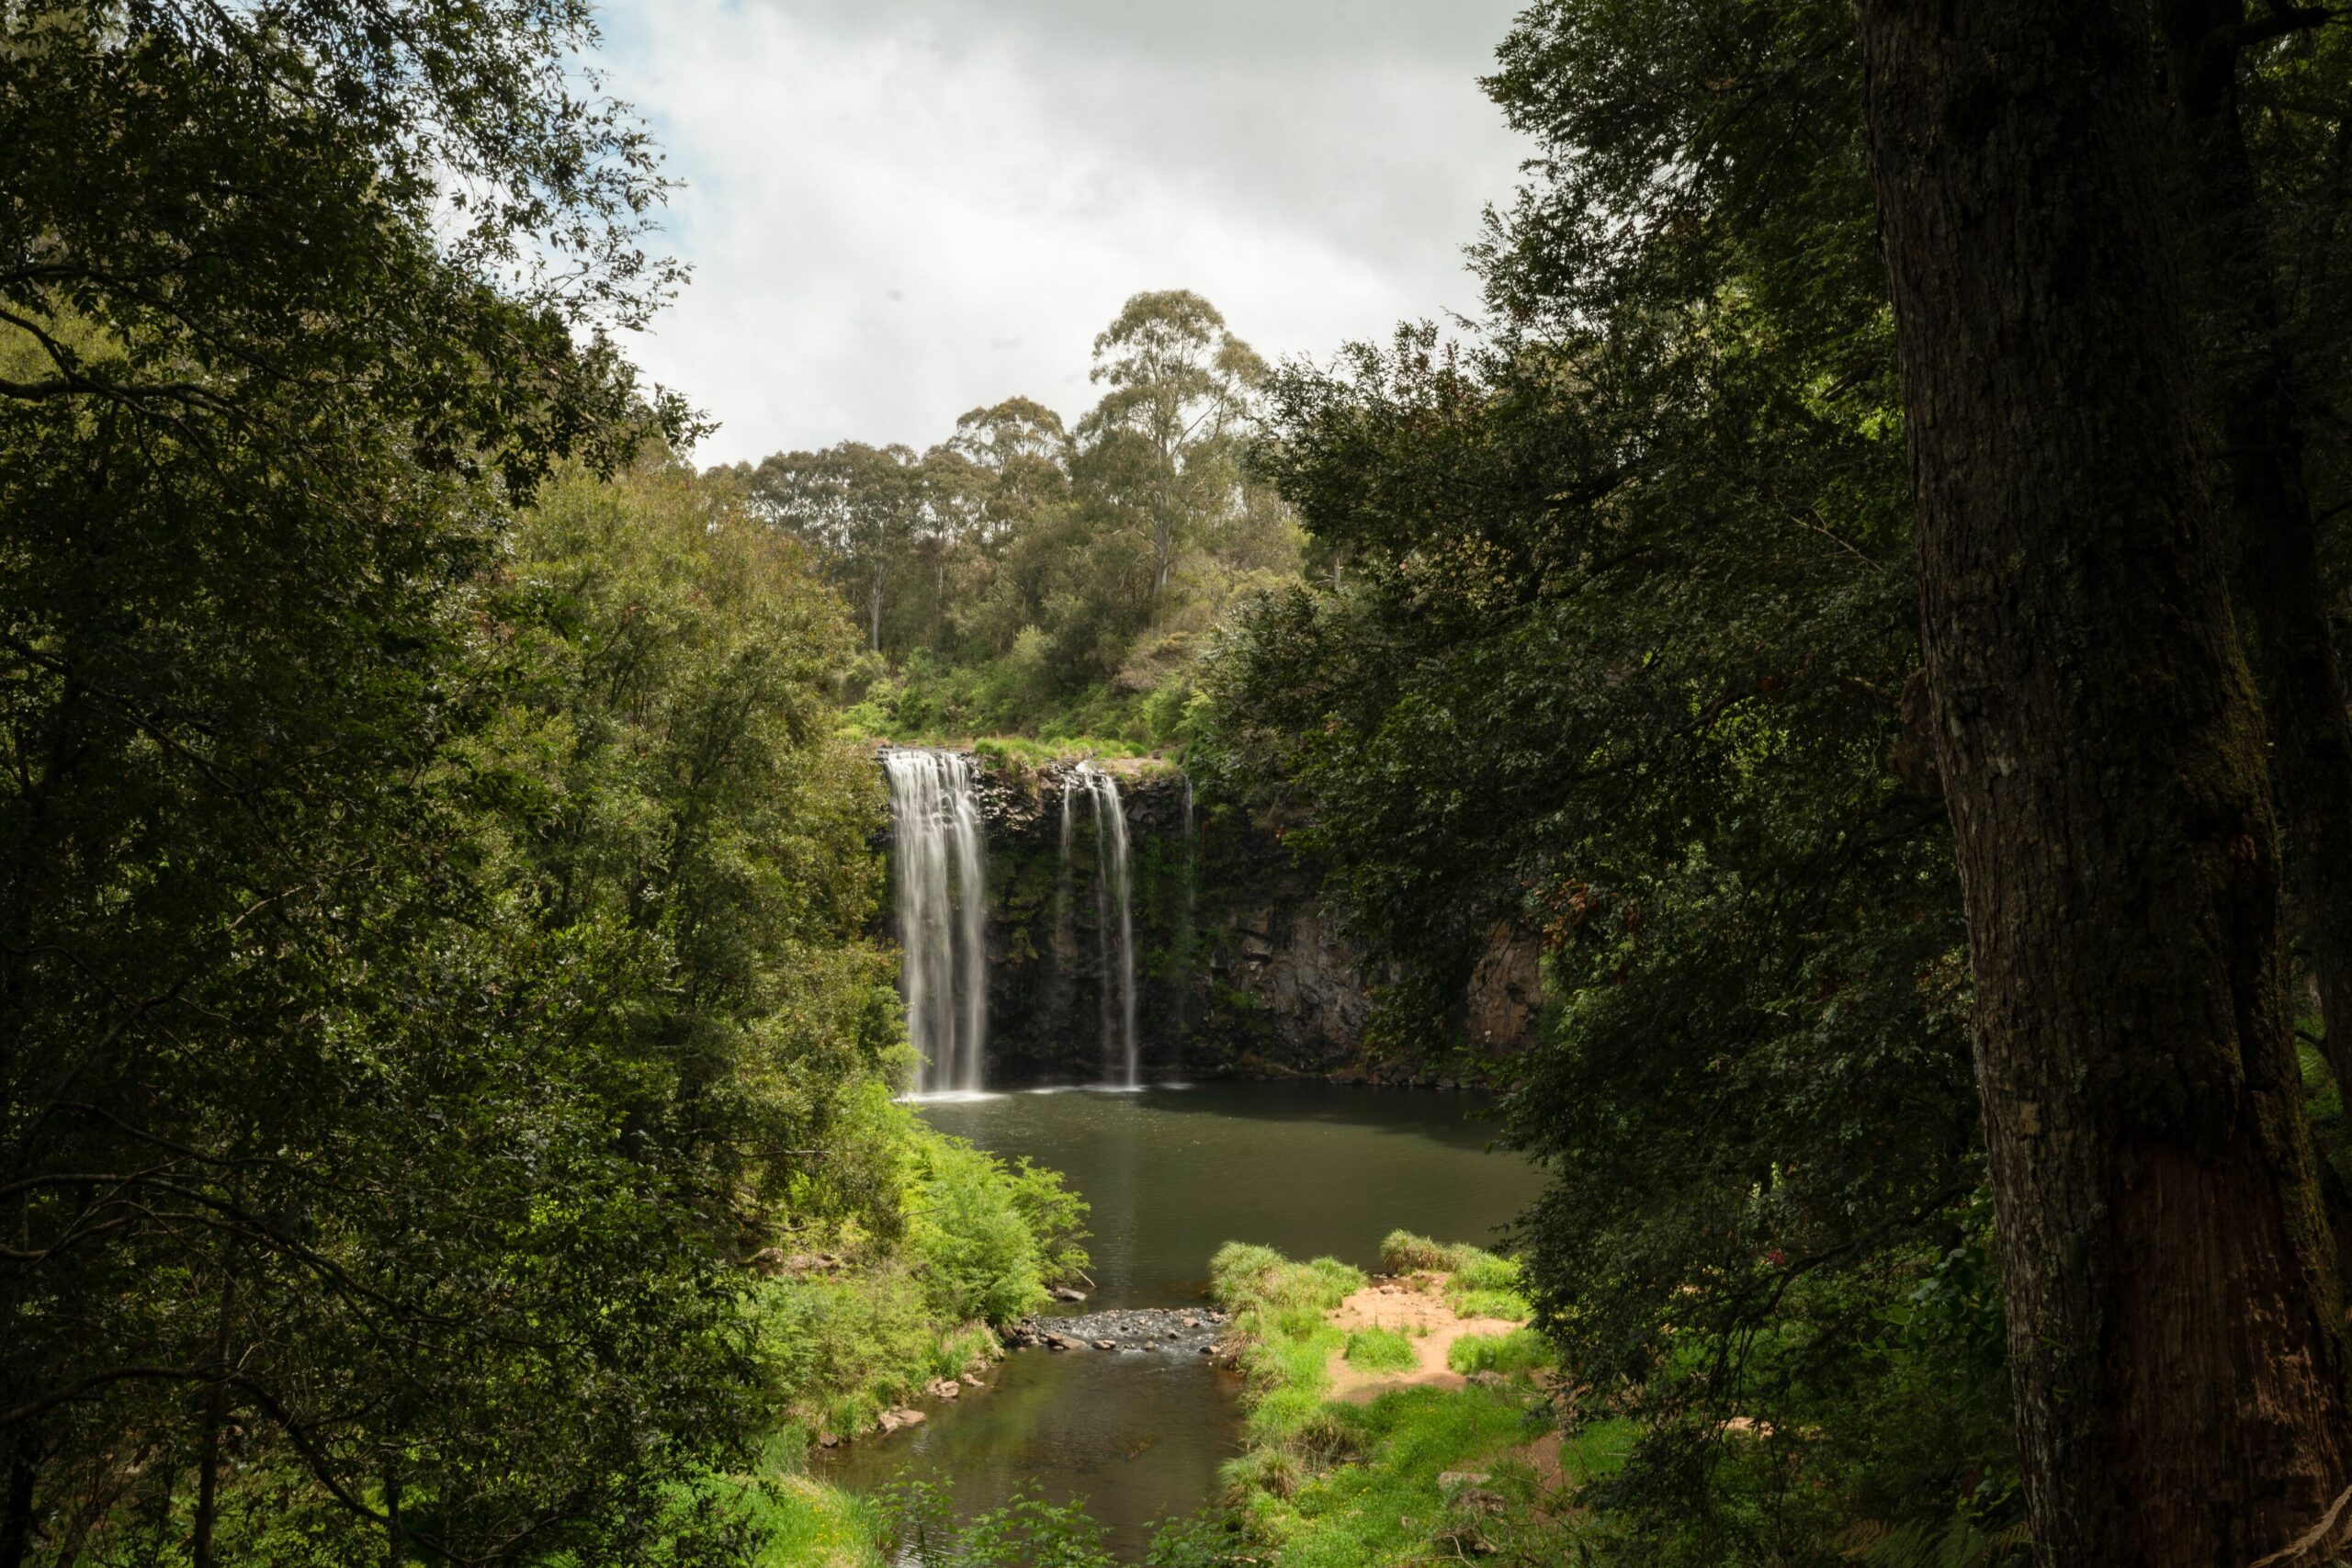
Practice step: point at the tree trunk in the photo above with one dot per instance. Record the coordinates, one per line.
(2234, 284)
(2175, 1326)
(216, 1416)
(17, 1505)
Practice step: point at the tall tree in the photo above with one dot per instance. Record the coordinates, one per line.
(2176, 1332)
(2259, 407)
(1179, 386)
(860, 506)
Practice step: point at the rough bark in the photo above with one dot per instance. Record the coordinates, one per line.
(2251, 396)
(2175, 1326)
(16, 1507)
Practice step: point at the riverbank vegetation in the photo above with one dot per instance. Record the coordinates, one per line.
(1405, 1467)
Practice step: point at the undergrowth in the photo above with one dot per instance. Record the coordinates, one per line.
(1420, 1475)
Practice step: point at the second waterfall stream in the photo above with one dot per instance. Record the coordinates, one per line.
(1114, 929)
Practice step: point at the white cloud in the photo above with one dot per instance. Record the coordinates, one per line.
(896, 212)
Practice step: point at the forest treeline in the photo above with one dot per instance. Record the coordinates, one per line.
(438, 1004)
(1025, 575)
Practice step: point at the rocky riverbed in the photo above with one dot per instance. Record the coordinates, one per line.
(1165, 1331)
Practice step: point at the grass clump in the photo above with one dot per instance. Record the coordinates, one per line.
(804, 1521)
(1381, 1350)
(1509, 1305)
(1478, 1284)
(1402, 1252)
(1246, 1277)
(1483, 1285)
(1520, 1351)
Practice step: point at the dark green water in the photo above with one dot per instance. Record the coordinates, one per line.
(1172, 1173)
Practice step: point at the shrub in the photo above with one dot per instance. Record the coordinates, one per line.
(973, 1249)
(1055, 1217)
(841, 1350)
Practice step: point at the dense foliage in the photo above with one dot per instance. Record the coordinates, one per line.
(434, 960)
(1623, 655)
(1026, 577)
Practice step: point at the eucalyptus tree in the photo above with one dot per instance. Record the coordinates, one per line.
(860, 506)
(1179, 386)
(2257, 105)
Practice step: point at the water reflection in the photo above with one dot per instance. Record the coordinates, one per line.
(1306, 1169)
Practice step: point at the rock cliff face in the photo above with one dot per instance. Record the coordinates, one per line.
(1239, 969)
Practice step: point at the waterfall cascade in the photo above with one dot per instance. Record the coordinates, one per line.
(1115, 932)
(1185, 956)
(940, 865)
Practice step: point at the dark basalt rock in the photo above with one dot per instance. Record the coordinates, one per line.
(1239, 969)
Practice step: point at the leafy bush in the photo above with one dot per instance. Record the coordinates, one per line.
(841, 1351)
(969, 1236)
(1381, 1350)
(1055, 1217)
(1026, 1532)
(981, 1240)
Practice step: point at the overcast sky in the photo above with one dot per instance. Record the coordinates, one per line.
(899, 210)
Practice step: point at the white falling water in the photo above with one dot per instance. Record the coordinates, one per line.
(1115, 932)
(1185, 922)
(940, 865)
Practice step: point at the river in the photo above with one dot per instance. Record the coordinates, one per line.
(1172, 1173)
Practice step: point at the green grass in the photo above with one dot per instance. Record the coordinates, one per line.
(1478, 1284)
(1402, 1252)
(1323, 1485)
(1507, 1305)
(798, 1522)
(1033, 754)
(1381, 1350)
(1520, 1351)
(1389, 1507)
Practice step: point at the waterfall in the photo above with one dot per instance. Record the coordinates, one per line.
(1115, 931)
(1184, 923)
(939, 867)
